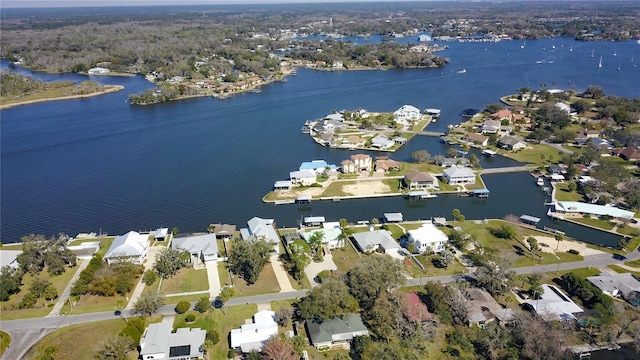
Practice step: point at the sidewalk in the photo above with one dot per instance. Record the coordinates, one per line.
(65, 294)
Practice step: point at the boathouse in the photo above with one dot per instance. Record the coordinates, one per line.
(528, 219)
(481, 193)
(393, 217)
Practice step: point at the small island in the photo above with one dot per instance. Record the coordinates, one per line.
(21, 90)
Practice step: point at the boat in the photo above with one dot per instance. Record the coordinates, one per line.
(600, 63)
(539, 62)
(523, 44)
(615, 52)
(592, 51)
(462, 71)
(571, 48)
(619, 65)
(540, 181)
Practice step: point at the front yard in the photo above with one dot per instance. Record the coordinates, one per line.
(186, 280)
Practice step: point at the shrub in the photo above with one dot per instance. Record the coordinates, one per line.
(202, 305)
(231, 354)
(182, 307)
(190, 318)
(149, 277)
(212, 337)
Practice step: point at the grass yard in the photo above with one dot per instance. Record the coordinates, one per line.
(634, 263)
(5, 340)
(534, 154)
(223, 274)
(598, 223)
(186, 280)
(582, 273)
(428, 262)
(346, 257)
(478, 185)
(267, 283)
(189, 298)
(94, 303)
(563, 193)
(628, 230)
(335, 189)
(85, 338)
(10, 310)
(621, 270)
(395, 230)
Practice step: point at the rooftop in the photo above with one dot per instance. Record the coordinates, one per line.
(580, 207)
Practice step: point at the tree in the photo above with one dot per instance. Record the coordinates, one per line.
(559, 237)
(495, 275)
(202, 305)
(594, 92)
(533, 246)
(248, 258)
(149, 277)
(452, 153)
(315, 244)
(276, 349)
(446, 257)
(226, 294)
(10, 280)
(328, 300)
(421, 156)
(114, 348)
(457, 215)
(169, 261)
(284, 315)
(581, 106)
(372, 276)
(590, 153)
(182, 307)
(148, 304)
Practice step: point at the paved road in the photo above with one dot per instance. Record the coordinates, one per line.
(27, 332)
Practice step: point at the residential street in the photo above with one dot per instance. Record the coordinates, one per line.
(26, 332)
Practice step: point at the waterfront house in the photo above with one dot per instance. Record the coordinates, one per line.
(385, 165)
(316, 167)
(362, 162)
(459, 175)
(448, 162)
(347, 167)
(335, 333)
(354, 141)
(200, 247)
(556, 170)
(262, 228)
(623, 285)
(9, 258)
(302, 178)
(420, 180)
(331, 236)
(252, 337)
(161, 234)
(490, 127)
(477, 139)
(131, 246)
(159, 342)
(407, 115)
(224, 231)
(579, 209)
(427, 238)
(98, 71)
(512, 142)
(503, 114)
(483, 308)
(564, 107)
(371, 241)
(381, 143)
(424, 38)
(553, 304)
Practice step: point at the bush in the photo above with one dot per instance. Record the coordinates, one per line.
(190, 318)
(182, 307)
(202, 305)
(212, 337)
(231, 354)
(149, 277)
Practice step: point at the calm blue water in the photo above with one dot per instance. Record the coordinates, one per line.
(101, 164)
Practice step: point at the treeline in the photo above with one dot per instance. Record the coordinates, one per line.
(106, 280)
(12, 84)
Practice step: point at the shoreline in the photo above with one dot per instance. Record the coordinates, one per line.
(107, 89)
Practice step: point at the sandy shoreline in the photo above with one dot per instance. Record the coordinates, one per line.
(107, 89)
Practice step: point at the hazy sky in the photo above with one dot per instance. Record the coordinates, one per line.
(72, 3)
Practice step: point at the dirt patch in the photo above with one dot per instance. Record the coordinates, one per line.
(549, 244)
(366, 188)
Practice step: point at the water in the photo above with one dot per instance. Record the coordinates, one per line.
(101, 164)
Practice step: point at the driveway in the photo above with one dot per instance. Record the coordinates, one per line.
(148, 265)
(214, 279)
(281, 274)
(316, 267)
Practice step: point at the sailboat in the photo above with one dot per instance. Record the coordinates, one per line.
(615, 52)
(592, 51)
(600, 63)
(523, 44)
(619, 65)
(571, 48)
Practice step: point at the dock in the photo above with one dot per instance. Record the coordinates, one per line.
(489, 153)
(481, 193)
(303, 199)
(528, 219)
(422, 195)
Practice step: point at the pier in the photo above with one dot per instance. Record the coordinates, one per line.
(510, 169)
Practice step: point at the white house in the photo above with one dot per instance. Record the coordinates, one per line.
(253, 336)
(98, 71)
(624, 284)
(459, 175)
(427, 237)
(131, 246)
(8, 258)
(158, 342)
(361, 162)
(161, 234)
(554, 304)
(576, 208)
(303, 178)
(490, 127)
(377, 239)
(262, 228)
(406, 114)
(201, 247)
(331, 236)
(316, 167)
(381, 143)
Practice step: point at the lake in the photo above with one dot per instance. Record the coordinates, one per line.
(101, 164)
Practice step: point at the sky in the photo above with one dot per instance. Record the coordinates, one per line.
(85, 3)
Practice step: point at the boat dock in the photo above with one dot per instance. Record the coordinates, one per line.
(528, 219)
(481, 193)
(489, 153)
(419, 195)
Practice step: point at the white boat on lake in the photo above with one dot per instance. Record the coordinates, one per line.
(540, 181)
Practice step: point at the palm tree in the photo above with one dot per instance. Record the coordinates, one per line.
(559, 237)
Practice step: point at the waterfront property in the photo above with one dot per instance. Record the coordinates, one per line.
(8, 258)
(373, 240)
(457, 175)
(282, 185)
(313, 220)
(381, 143)
(331, 236)
(476, 139)
(407, 115)
(316, 167)
(302, 178)
(512, 142)
(357, 163)
(131, 246)
(262, 228)
(578, 209)
(427, 238)
(384, 164)
(553, 304)
(201, 247)
(420, 180)
(158, 342)
(251, 337)
(393, 217)
(161, 234)
(223, 231)
(335, 333)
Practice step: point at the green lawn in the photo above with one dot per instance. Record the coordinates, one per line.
(595, 222)
(42, 308)
(395, 230)
(345, 257)
(628, 230)
(635, 263)
(582, 272)
(186, 280)
(335, 189)
(94, 303)
(267, 283)
(563, 193)
(431, 270)
(620, 270)
(533, 154)
(223, 273)
(5, 340)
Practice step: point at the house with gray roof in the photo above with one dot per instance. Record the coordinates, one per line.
(8, 258)
(377, 239)
(420, 180)
(380, 142)
(161, 234)
(158, 342)
(335, 333)
(624, 284)
(512, 142)
(448, 162)
(131, 246)
(483, 308)
(262, 228)
(201, 247)
(459, 175)
(553, 304)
